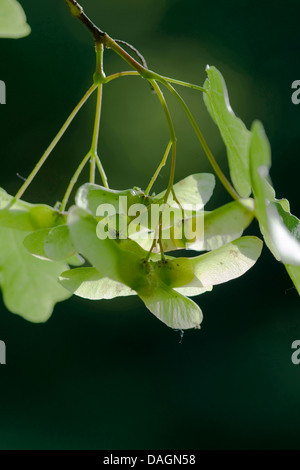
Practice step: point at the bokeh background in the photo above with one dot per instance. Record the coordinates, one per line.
(109, 375)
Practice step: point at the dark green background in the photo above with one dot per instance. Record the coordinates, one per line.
(109, 375)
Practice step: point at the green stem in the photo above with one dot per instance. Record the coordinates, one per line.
(161, 165)
(166, 110)
(101, 171)
(162, 79)
(162, 254)
(92, 169)
(157, 77)
(204, 145)
(53, 143)
(144, 72)
(94, 145)
(95, 138)
(73, 182)
(122, 74)
(152, 77)
(151, 248)
(99, 75)
(173, 139)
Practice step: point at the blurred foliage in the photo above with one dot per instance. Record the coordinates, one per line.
(108, 375)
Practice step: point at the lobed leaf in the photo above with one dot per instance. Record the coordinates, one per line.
(30, 286)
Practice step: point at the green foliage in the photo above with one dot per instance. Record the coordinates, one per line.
(154, 280)
(227, 223)
(12, 20)
(29, 285)
(34, 243)
(52, 244)
(281, 229)
(112, 255)
(227, 262)
(88, 283)
(28, 217)
(220, 226)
